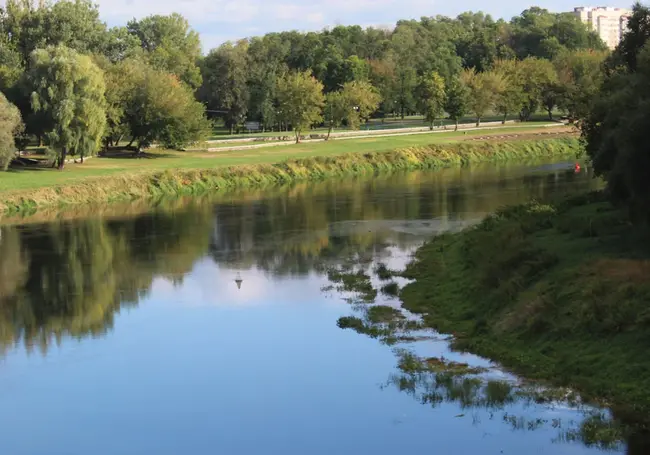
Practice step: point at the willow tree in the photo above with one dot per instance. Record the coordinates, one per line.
(10, 125)
(301, 100)
(69, 89)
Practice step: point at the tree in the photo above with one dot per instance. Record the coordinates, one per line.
(163, 109)
(457, 100)
(71, 23)
(511, 99)
(225, 88)
(300, 100)
(540, 33)
(69, 89)
(170, 45)
(615, 126)
(354, 103)
(10, 125)
(337, 109)
(536, 75)
(431, 97)
(122, 79)
(484, 89)
(580, 75)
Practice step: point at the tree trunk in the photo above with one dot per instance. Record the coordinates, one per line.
(505, 117)
(478, 121)
(130, 144)
(550, 114)
(40, 140)
(328, 133)
(297, 136)
(64, 154)
(82, 158)
(456, 129)
(431, 125)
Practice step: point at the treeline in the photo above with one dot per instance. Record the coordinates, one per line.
(75, 85)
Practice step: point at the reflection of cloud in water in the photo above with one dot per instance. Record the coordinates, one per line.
(211, 285)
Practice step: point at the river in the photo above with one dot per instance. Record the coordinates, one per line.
(211, 328)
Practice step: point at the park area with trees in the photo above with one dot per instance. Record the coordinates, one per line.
(81, 87)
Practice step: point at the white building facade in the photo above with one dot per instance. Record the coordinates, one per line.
(608, 23)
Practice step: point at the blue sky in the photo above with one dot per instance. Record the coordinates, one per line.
(222, 20)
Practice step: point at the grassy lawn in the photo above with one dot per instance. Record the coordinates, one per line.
(164, 159)
(413, 121)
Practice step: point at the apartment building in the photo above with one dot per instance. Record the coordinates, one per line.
(609, 23)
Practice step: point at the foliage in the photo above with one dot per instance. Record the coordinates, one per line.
(431, 97)
(484, 90)
(10, 125)
(69, 89)
(300, 100)
(512, 97)
(457, 100)
(540, 33)
(580, 77)
(225, 72)
(537, 75)
(170, 45)
(163, 109)
(618, 119)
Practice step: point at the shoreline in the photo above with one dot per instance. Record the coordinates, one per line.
(551, 292)
(193, 182)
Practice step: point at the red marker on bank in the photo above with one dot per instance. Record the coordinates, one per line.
(577, 167)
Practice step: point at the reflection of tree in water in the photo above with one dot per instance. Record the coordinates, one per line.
(292, 233)
(70, 278)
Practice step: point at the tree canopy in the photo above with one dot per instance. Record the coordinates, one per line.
(616, 122)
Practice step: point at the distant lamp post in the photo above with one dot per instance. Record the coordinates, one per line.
(239, 280)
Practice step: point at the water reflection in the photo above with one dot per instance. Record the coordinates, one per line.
(69, 278)
(73, 277)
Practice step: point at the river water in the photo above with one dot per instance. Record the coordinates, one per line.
(211, 328)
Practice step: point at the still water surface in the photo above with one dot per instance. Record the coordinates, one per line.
(130, 335)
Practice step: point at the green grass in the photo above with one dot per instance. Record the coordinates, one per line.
(163, 159)
(174, 174)
(556, 292)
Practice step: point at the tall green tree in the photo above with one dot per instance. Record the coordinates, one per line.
(457, 100)
(170, 45)
(10, 125)
(69, 89)
(511, 99)
(431, 97)
(536, 75)
(300, 100)
(354, 103)
(616, 124)
(225, 82)
(484, 90)
(580, 76)
(163, 109)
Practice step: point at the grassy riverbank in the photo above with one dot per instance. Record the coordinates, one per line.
(222, 173)
(556, 292)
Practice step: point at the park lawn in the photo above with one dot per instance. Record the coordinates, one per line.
(157, 160)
